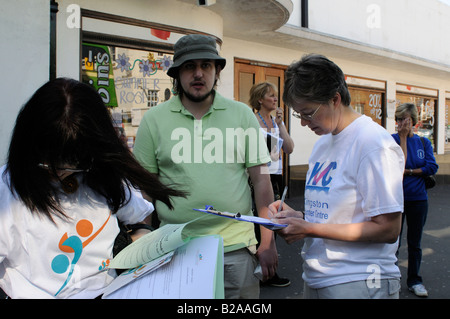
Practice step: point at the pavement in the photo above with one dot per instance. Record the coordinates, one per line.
(435, 268)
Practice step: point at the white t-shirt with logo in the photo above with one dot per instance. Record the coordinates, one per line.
(65, 259)
(353, 176)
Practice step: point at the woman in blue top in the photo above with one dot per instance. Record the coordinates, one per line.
(420, 162)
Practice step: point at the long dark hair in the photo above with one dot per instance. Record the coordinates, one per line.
(66, 122)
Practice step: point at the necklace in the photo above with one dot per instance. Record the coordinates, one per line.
(273, 123)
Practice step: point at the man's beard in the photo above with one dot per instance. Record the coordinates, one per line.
(198, 99)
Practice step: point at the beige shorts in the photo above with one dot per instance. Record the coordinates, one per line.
(388, 289)
(240, 282)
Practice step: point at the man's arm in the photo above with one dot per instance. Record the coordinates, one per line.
(267, 251)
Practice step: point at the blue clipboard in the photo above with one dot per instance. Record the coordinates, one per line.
(245, 218)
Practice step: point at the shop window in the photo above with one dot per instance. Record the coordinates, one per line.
(426, 112)
(368, 102)
(152, 97)
(130, 82)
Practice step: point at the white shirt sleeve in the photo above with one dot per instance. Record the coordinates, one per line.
(380, 182)
(136, 209)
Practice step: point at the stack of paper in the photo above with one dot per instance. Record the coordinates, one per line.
(168, 265)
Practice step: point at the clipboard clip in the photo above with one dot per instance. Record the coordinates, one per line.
(210, 210)
(245, 218)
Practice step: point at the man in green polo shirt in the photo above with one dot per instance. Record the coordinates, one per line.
(209, 145)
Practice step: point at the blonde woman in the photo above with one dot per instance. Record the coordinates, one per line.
(264, 101)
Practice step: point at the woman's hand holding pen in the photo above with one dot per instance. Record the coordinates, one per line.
(297, 226)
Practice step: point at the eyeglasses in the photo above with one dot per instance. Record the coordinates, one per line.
(66, 169)
(305, 117)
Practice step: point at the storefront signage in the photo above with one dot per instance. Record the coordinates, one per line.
(96, 66)
(368, 102)
(416, 90)
(363, 82)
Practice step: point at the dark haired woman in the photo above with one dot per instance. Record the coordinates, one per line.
(67, 182)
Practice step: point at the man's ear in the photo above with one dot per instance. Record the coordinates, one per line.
(218, 70)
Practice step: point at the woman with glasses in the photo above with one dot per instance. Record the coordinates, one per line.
(420, 162)
(67, 181)
(353, 192)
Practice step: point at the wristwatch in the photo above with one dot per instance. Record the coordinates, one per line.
(410, 171)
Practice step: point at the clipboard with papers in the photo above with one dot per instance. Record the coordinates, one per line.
(169, 263)
(245, 218)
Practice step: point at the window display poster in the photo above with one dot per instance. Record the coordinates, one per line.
(130, 81)
(96, 70)
(426, 114)
(368, 102)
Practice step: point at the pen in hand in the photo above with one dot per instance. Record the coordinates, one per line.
(282, 198)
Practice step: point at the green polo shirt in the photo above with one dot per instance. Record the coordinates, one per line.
(207, 158)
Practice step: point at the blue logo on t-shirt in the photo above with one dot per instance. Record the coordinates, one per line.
(320, 177)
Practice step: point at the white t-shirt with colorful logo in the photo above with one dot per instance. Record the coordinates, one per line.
(353, 176)
(67, 258)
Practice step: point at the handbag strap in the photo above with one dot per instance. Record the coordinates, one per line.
(423, 143)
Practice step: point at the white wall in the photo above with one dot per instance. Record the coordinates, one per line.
(416, 27)
(24, 59)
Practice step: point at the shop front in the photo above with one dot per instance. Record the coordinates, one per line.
(426, 102)
(124, 51)
(126, 60)
(130, 81)
(368, 97)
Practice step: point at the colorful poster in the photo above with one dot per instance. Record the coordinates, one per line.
(96, 70)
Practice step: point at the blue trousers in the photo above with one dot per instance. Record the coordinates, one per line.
(416, 215)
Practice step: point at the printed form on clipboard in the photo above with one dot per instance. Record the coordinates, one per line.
(186, 268)
(245, 218)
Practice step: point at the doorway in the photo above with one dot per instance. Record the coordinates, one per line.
(246, 74)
